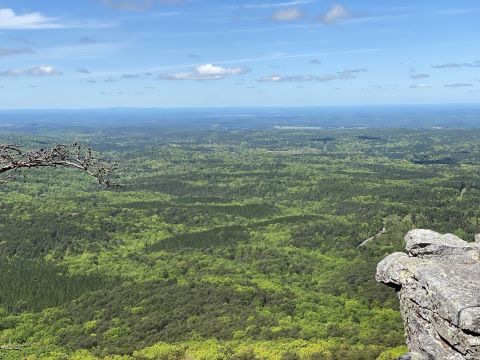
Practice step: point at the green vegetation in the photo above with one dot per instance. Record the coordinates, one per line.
(36, 285)
(225, 244)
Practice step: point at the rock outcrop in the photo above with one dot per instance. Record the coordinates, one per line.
(438, 283)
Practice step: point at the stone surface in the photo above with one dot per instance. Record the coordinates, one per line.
(427, 242)
(438, 283)
(413, 356)
(477, 238)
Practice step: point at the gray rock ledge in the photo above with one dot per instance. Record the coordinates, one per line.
(438, 284)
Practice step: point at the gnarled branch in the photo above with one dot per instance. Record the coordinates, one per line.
(13, 159)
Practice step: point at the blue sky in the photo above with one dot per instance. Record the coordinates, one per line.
(192, 53)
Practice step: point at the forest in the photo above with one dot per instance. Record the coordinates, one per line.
(234, 244)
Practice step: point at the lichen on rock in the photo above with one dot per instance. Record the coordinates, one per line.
(438, 284)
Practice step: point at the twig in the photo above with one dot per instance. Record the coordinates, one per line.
(13, 159)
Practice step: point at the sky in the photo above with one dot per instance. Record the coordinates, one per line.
(214, 53)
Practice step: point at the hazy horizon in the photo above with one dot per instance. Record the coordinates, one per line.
(230, 118)
(246, 107)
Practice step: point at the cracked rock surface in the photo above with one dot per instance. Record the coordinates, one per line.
(438, 284)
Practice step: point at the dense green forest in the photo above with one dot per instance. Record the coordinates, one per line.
(224, 244)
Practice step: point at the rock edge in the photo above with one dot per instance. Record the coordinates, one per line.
(438, 284)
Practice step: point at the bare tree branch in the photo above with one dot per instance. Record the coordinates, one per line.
(13, 159)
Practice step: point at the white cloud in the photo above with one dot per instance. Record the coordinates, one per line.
(266, 58)
(335, 14)
(287, 15)
(341, 75)
(272, 78)
(206, 72)
(419, 76)
(458, 85)
(420, 86)
(474, 64)
(43, 70)
(10, 20)
(37, 71)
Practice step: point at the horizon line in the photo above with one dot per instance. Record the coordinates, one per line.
(238, 107)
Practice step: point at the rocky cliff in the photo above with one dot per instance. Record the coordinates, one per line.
(438, 283)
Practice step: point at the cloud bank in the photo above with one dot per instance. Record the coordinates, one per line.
(37, 71)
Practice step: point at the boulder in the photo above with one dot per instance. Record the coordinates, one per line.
(438, 284)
